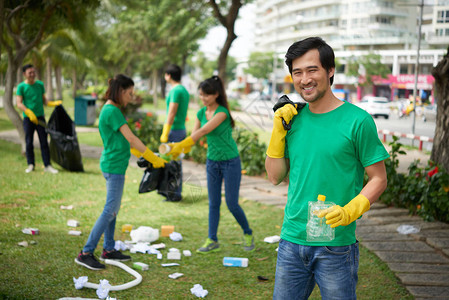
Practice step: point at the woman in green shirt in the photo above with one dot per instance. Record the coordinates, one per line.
(117, 140)
(223, 160)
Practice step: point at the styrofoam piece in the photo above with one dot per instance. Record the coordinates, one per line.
(174, 255)
(170, 265)
(140, 266)
(186, 253)
(175, 275)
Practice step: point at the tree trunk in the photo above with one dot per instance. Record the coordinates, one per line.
(154, 89)
(222, 59)
(49, 82)
(13, 115)
(74, 83)
(440, 149)
(58, 77)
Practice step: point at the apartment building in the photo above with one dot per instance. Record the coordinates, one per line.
(358, 27)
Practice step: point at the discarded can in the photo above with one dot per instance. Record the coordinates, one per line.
(32, 231)
(140, 266)
(235, 262)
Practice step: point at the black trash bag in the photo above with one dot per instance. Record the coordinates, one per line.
(170, 181)
(150, 179)
(285, 100)
(64, 147)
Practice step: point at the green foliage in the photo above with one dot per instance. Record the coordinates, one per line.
(372, 66)
(260, 64)
(252, 151)
(146, 128)
(424, 191)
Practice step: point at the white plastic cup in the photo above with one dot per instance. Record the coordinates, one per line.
(164, 148)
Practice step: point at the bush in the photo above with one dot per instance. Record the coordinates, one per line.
(146, 128)
(424, 191)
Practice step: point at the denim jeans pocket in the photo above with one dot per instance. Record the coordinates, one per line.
(338, 250)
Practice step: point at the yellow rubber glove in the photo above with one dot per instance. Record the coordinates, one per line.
(54, 103)
(155, 160)
(183, 146)
(165, 132)
(30, 114)
(136, 152)
(342, 216)
(276, 147)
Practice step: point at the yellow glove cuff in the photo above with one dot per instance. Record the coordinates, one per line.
(165, 132)
(343, 216)
(54, 103)
(276, 147)
(136, 152)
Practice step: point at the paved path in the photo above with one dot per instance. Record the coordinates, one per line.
(420, 260)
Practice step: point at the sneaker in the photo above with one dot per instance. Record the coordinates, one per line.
(114, 255)
(50, 169)
(248, 242)
(209, 246)
(29, 169)
(89, 261)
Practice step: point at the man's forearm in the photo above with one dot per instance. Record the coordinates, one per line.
(277, 169)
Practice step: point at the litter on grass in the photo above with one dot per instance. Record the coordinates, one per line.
(140, 266)
(174, 255)
(166, 230)
(170, 265)
(73, 223)
(272, 239)
(32, 231)
(68, 207)
(144, 234)
(186, 252)
(198, 291)
(175, 275)
(176, 236)
(74, 232)
(23, 244)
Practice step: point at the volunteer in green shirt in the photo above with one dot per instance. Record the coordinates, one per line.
(31, 99)
(223, 161)
(117, 141)
(330, 145)
(177, 102)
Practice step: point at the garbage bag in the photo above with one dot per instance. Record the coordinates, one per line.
(166, 180)
(64, 147)
(150, 180)
(170, 180)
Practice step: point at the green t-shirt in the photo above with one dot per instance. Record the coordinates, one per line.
(116, 153)
(179, 95)
(220, 144)
(32, 96)
(328, 153)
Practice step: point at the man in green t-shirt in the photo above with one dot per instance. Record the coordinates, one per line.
(177, 102)
(329, 147)
(31, 99)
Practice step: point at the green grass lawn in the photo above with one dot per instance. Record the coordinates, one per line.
(46, 269)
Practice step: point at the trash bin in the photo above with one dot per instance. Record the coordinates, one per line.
(85, 113)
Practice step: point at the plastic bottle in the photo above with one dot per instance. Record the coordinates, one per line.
(317, 229)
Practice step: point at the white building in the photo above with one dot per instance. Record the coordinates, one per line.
(358, 27)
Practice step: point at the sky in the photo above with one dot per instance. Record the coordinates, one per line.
(242, 45)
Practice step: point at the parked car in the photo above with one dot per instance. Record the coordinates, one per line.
(376, 106)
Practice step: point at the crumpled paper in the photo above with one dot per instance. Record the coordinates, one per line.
(120, 246)
(198, 291)
(144, 248)
(103, 289)
(407, 229)
(175, 236)
(80, 282)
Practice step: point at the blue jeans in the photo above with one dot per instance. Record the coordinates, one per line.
(173, 137)
(29, 128)
(231, 172)
(106, 222)
(333, 268)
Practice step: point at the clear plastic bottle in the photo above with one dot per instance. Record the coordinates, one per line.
(317, 229)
